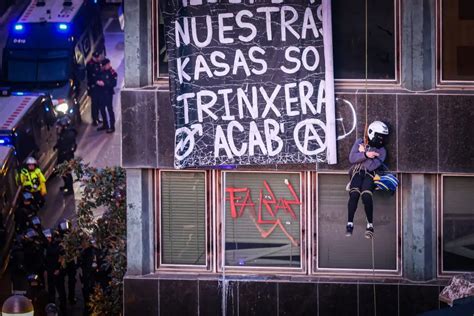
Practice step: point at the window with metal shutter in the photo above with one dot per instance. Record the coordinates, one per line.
(183, 218)
(262, 219)
(335, 250)
(458, 223)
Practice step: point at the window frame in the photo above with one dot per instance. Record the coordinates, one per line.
(339, 83)
(377, 273)
(159, 265)
(302, 269)
(215, 181)
(381, 83)
(443, 274)
(440, 82)
(155, 24)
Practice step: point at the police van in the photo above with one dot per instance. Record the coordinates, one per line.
(48, 48)
(9, 194)
(27, 123)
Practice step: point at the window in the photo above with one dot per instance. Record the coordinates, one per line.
(160, 54)
(183, 218)
(38, 66)
(270, 222)
(263, 219)
(457, 42)
(22, 70)
(457, 224)
(53, 70)
(348, 19)
(334, 250)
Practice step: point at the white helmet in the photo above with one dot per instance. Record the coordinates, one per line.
(31, 161)
(377, 127)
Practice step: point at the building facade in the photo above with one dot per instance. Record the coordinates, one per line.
(269, 239)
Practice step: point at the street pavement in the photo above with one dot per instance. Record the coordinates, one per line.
(97, 148)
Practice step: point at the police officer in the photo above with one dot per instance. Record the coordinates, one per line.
(17, 268)
(25, 210)
(34, 253)
(33, 180)
(93, 70)
(66, 146)
(89, 267)
(107, 80)
(54, 270)
(37, 294)
(71, 268)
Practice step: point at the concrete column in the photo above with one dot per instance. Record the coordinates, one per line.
(419, 227)
(138, 61)
(418, 44)
(140, 222)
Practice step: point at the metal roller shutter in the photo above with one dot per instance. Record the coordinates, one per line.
(183, 218)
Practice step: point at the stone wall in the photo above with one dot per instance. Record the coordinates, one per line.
(152, 296)
(429, 132)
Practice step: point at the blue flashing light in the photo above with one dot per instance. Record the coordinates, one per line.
(47, 109)
(18, 93)
(18, 27)
(95, 1)
(63, 27)
(5, 141)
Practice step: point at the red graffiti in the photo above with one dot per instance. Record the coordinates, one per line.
(240, 199)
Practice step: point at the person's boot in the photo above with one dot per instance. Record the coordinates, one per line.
(110, 130)
(369, 231)
(94, 123)
(68, 191)
(349, 229)
(102, 128)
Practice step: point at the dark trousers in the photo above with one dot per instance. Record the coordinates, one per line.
(67, 178)
(87, 289)
(59, 285)
(362, 185)
(71, 279)
(39, 199)
(94, 106)
(107, 110)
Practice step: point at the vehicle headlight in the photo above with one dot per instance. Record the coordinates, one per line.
(62, 107)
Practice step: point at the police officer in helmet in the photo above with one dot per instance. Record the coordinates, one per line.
(55, 272)
(33, 180)
(64, 227)
(26, 209)
(66, 146)
(89, 266)
(107, 80)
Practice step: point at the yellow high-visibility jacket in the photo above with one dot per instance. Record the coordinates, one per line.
(33, 181)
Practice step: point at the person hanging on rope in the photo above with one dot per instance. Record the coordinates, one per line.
(365, 159)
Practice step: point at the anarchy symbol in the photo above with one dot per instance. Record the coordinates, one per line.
(310, 134)
(186, 141)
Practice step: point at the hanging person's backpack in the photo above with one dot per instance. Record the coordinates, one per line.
(384, 180)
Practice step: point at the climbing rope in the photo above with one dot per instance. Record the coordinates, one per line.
(366, 138)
